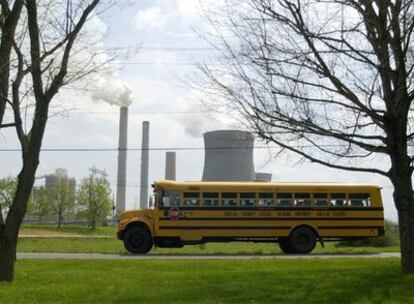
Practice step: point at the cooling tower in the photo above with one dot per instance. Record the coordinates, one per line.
(170, 166)
(144, 165)
(228, 156)
(263, 177)
(122, 160)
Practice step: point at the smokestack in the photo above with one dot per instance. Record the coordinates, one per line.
(122, 159)
(170, 166)
(144, 165)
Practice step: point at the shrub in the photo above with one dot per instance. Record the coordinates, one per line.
(391, 238)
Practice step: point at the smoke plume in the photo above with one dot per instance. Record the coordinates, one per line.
(112, 90)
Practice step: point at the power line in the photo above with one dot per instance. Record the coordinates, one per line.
(139, 48)
(175, 49)
(164, 148)
(167, 63)
(135, 113)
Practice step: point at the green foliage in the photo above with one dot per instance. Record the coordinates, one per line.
(61, 198)
(219, 281)
(94, 199)
(7, 189)
(391, 238)
(40, 204)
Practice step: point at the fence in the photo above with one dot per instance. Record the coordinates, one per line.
(68, 219)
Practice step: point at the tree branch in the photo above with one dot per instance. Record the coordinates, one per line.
(10, 21)
(58, 80)
(319, 161)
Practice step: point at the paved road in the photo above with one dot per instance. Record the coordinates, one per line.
(102, 256)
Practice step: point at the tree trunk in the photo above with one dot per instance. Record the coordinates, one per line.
(8, 236)
(93, 224)
(8, 243)
(404, 201)
(406, 228)
(59, 220)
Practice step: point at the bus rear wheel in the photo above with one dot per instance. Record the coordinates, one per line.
(302, 240)
(284, 245)
(137, 240)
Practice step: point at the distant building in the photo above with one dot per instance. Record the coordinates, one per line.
(51, 180)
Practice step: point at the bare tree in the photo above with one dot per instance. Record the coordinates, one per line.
(331, 81)
(38, 40)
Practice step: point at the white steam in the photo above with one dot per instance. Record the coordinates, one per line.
(199, 120)
(112, 90)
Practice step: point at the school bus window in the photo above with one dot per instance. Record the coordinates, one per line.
(171, 198)
(191, 199)
(359, 200)
(210, 199)
(229, 199)
(247, 199)
(265, 199)
(338, 199)
(284, 200)
(321, 199)
(302, 199)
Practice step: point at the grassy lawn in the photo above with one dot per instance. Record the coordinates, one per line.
(66, 230)
(220, 281)
(113, 245)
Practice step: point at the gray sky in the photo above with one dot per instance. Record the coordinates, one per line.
(154, 76)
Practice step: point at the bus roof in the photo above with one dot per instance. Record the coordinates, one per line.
(261, 185)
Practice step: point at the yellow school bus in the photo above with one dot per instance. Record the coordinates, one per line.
(294, 215)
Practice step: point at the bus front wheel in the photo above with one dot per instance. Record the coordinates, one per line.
(137, 240)
(302, 240)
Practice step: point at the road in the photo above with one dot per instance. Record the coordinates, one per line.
(102, 256)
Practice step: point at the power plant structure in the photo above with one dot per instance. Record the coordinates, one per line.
(144, 165)
(228, 156)
(51, 180)
(170, 166)
(263, 177)
(122, 160)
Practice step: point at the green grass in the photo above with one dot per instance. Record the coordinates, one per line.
(72, 229)
(71, 245)
(113, 245)
(220, 281)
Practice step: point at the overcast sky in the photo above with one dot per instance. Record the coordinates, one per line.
(153, 78)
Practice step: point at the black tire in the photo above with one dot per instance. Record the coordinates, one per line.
(284, 245)
(137, 240)
(302, 240)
